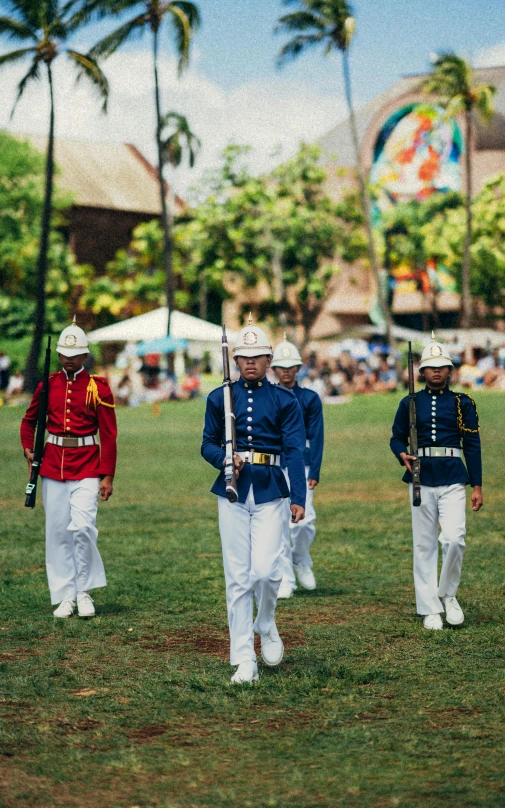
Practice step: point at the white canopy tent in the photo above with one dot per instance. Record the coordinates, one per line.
(200, 334)
(153, 325)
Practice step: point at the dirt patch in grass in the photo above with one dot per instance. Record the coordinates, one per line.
(17, 655)
(212, 642)
(190, 733)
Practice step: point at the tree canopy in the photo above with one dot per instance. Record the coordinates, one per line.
(21, 201)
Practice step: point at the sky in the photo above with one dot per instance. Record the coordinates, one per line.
(233, 91)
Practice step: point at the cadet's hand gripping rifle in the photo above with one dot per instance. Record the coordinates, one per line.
(414, 448)
(229, 425)
(31, 488)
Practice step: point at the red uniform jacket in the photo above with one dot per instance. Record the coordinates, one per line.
(78, 407)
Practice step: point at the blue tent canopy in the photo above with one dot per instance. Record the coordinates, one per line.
(163, 345)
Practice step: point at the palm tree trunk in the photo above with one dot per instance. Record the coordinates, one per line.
(466, 302)
(31, 373)
(165, 218)
(365, 202)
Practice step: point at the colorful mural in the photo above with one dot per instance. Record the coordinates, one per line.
(417, 153)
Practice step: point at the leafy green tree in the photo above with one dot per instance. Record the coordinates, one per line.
(451, 80)
(184, 17)
(43, 28)
(21, 205)
(274, 236)
(331, 25)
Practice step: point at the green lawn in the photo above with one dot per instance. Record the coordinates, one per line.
(134, 708)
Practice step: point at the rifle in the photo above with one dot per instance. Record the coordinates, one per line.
(229, 426)
(414, 448)
(31, 488)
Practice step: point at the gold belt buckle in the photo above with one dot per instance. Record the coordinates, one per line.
(261, 458)
(70, 443)
(437, 451)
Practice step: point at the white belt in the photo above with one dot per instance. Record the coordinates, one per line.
(86, 440)
(307, 444)
(439, 451)
(259, 458)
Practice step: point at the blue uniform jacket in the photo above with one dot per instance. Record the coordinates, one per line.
(268, 419)
(312, 411)
(444, 418)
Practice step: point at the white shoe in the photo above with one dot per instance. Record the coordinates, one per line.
(305, 576)
(272, 648)
(433, 621)
(65, 609)
(85, 606)
(286, 589)
(453, 611)
(246, 673)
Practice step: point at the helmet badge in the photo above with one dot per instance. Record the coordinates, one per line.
(70, 340)
(250, 338)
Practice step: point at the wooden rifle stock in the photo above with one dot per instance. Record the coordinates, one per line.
(38, 451)
(414, 448)
(229, 426)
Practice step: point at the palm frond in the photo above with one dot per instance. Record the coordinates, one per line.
(87, 66)
(33, 74)
(13, 56)
(16, 29)
(297, 45)
(182, 31)
(191, 11)
(298, 21)
(106, 46)
(483, 95)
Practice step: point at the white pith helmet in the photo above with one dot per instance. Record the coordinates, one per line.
(252, 341)
(72, 341)
(435, 355)
(286, 355)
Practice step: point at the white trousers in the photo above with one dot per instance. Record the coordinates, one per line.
(444, 505)
(251, 538)
(297, 539)
(73, 562)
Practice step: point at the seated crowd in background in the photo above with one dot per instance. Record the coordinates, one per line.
(357, 367)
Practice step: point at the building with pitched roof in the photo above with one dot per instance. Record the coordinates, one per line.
(113, 187)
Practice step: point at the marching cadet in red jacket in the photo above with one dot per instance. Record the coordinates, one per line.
(74, 470)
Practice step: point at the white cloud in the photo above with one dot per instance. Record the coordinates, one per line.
(265, 114)
(490, 57)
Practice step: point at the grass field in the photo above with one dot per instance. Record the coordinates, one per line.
(134, 708)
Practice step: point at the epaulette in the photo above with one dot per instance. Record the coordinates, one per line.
(92, 395)
(461, 426)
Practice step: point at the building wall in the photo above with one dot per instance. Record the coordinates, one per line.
(96, 234)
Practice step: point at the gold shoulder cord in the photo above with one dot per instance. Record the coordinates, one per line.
(461, 426)
(93, 396)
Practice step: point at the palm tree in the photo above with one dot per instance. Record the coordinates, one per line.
(451, 80)
(45, 26)
(330, 24)
(185, 19)
(177, 139)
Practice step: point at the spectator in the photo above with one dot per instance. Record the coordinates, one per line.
(124, 390)
(15, 385)
(191, 384)
(5, 364)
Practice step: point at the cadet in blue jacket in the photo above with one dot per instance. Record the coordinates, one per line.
(268, 422)
(298, 537)
(444, 420)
